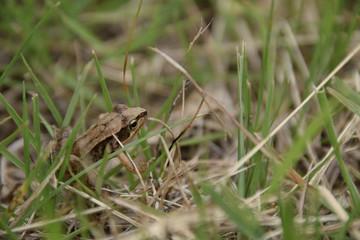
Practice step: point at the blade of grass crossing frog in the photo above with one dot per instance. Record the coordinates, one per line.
(100, 178)
(70, 141)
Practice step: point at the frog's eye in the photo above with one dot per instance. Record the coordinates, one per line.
(132, 125)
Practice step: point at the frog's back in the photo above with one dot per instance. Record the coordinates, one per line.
(102, 129)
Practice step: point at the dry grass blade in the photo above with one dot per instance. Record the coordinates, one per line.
(198, 34)
(104, 206)
(329, 198)
(44, 223)
(134, 207)
(174, 171)
(178, 224)
(174, 166)
(189, 125)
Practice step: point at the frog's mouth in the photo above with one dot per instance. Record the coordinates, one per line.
(110, 142)
(123, 135)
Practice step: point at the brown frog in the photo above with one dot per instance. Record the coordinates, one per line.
(123, 122)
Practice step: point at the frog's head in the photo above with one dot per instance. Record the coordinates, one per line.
(132, 120)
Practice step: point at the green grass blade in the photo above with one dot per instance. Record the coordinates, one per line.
(100, 178)
(16, 161)
(36, 122)
(5, 120)
(347, 96)
(44, 94)
(241, 142)
(27, 40)
(142, 132)
(347, 91)
(266, 126)
(333, 139)
(168, 103)
(243, 218)
(265, 63)
(135, 92)
(321, 57)
(351, 105)
(15, 117)
(104, 88)
(165, 108)
(48, 126)
(75, 97)
(203, 139)
(281, 100)
(26, 134)
(292, 156)
(12, 136)
(287, 215)
(256, 177)
(4, 225)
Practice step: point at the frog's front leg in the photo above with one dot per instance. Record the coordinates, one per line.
(129, 164)
(113, 145)
(124, 158)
